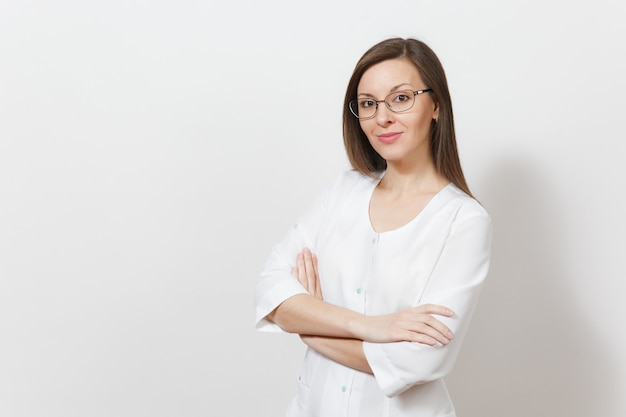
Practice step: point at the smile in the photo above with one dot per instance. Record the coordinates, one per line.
(389, 137)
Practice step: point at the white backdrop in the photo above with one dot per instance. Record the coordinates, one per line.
(151, 154)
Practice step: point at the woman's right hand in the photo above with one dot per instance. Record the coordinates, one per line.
(416, 324)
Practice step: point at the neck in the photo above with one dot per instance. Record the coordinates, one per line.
(415, 176)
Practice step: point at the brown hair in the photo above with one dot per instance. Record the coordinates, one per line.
(362, 156)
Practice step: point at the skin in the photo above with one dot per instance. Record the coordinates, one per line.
(411, 179)
(408, 184)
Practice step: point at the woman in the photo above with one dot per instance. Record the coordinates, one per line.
(380, 277)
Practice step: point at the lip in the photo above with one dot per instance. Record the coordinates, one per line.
(389, 137)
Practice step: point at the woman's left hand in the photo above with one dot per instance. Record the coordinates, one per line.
(306, 272)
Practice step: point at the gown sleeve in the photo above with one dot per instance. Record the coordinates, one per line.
(276, 283)
(455, 282)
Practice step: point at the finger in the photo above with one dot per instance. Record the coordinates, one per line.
(318, 288)
(418, 336)
(435, 309)
(301, 270)
(436, 335)
(422, 333)
(425, 340)
(435, 329)
(310, 270)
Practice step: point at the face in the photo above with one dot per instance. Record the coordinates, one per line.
(397, 137)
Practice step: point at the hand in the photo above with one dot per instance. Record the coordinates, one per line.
(306, 272)
(415, 324)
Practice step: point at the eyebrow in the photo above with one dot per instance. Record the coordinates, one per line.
(394, 88)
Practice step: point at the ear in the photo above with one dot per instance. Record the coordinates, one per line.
(436, 112)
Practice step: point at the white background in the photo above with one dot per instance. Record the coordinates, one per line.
(152, 152)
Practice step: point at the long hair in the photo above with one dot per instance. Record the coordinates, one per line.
(361, 155)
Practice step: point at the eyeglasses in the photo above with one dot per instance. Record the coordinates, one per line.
(397, 102)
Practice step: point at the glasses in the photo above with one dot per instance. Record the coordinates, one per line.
(397, 102)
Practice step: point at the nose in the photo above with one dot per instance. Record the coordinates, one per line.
(384, 116)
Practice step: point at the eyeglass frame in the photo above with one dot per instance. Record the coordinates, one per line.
(415, 94)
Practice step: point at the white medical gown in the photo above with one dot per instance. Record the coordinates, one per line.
(441, 257)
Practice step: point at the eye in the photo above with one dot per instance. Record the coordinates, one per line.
(400, 97)
(366, 103)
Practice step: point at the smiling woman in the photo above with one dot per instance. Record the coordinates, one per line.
(400, 132)
(381, 275)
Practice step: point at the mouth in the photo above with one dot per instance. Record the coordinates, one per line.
(389, 137)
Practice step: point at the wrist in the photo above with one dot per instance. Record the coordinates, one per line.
(357, 326)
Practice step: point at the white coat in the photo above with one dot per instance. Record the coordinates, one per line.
(439, 257)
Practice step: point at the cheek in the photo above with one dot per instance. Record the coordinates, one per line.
(424, 119)
(366, 127)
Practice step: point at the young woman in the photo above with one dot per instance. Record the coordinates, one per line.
(380, 277)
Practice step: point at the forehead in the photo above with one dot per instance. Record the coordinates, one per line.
(386, 75)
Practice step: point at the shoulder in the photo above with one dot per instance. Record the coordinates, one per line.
(347, 186)
(463, 206)
(351, 180)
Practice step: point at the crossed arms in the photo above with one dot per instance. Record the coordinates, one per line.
(338, 333)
